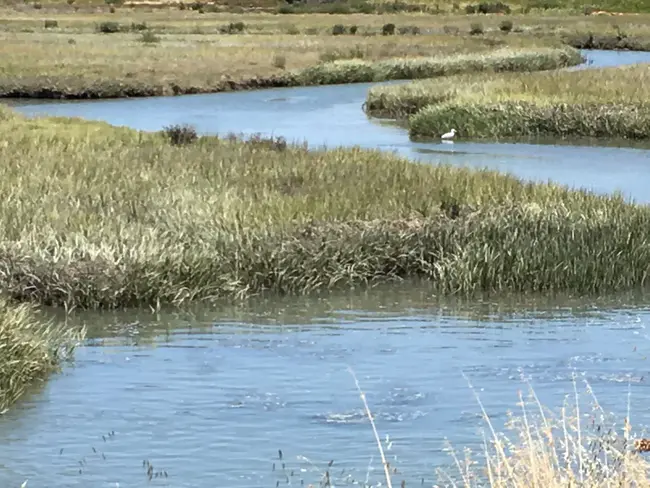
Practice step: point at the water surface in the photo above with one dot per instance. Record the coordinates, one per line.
(332, 116)
(209, 396)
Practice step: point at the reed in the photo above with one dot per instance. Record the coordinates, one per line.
(400, 101)
(608, 102)
(47, 66)
(578, 447)
(95, 216)
(30, 349)
(400, 69)
(575, 445)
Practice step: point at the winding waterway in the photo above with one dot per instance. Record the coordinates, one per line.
(332, 116)
(209, 396)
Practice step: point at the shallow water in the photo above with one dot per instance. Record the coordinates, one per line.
(210, 396)
(332, 116)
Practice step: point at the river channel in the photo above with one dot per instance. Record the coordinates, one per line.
(209, 396)
(332, 116)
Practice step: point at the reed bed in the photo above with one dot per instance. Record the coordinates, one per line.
(30, 349)
(96, 217)
(608, 102)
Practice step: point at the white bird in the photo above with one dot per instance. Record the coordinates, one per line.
(449, 135)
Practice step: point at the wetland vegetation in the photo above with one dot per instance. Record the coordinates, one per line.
(101, 217)
(31, 348)
(82, 51)
(608, 102)
(95, 216)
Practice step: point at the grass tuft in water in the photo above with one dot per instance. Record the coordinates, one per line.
(30, 349)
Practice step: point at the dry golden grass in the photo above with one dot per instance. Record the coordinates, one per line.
(575, 447)
(555, 449)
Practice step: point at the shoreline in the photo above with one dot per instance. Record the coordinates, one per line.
(342, 72)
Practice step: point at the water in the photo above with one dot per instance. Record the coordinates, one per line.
(209, 396)
(332, 116)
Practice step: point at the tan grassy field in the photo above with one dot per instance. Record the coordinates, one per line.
(91, 64)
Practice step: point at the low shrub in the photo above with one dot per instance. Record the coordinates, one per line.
(179, 135)
(108, 27)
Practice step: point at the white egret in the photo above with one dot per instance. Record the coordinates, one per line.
(449, 135)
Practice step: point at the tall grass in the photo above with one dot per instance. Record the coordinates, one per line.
(30, 349)
(608, 102)
(399, 101)
(576, 447)
(45, 65)
(350, 71)
(95, 216)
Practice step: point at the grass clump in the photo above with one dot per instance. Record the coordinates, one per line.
(400, 101)
(179, 135)
(109, 27)
(506, 26)
(541, 448)
(30, 349)
(488, 8)
(148, 37)
(355, 71)
(98, 217)
(609, 102)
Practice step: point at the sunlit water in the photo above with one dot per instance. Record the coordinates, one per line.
(332, 116)
(210, 397)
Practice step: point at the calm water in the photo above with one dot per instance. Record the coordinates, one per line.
(209, 396)
(332, 115)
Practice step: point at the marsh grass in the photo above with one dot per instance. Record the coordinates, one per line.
(546, 449)
(607, 102)
(555, 449)
(400, 101)
(611, 102)
(98, 217)
(351, 71)
(540, 448)
(30, 349)
(161, 62)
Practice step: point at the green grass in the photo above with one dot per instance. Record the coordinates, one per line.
(97, 217)
(399, 69)
(399, 101)
(30, 349)
(608, 102)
